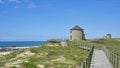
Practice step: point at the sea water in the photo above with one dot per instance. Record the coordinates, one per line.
(5, 44)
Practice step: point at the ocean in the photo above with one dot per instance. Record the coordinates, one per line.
(5, 44)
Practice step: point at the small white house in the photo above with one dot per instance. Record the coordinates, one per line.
(63, 43)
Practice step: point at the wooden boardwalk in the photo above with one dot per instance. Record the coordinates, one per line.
(100, 60)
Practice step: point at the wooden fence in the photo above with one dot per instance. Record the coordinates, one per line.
(87, 62)
(113, 58)
(86, 46)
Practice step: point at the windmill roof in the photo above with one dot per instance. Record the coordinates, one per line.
(108, 34)
(76, 28)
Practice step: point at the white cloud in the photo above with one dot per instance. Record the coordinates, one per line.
(17, 1)
(32, 5)
(1, 1)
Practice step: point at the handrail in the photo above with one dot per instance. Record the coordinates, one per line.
(90, 48)
(113, 58)
(87, 62)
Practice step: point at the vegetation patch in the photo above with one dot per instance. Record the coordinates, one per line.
(113, 45)
(45, 57)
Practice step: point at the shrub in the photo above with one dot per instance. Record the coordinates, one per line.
(29, 65)
(13, 67)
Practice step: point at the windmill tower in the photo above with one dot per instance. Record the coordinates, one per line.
(77, 33)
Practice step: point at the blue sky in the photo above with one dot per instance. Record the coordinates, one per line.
(34, 20)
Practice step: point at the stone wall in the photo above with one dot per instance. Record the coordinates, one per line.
(76, 35)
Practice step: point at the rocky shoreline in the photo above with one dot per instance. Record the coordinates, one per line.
(14, 48)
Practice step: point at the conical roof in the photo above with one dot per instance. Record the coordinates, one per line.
(76, 28)
(108, 34)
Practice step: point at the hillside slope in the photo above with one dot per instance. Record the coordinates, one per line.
(44, 57)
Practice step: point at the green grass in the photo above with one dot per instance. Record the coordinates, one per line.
(113, 45)
(85, 43)
(69, 53)
(56, 56)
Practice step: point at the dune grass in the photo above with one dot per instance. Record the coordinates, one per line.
(47, 56)
(113, 45)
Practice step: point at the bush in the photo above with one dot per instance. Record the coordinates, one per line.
(29, 65)
(13, 67)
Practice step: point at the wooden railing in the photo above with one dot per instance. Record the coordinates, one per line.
(86, 46)
(87, 62)
(113, 58)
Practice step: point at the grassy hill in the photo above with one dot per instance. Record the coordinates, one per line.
(45, 57)
(112, 44)
(55, 56)
(114, 50)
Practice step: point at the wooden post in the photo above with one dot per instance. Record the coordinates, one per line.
(110, 57)
(86, 63)
(113, 59)
(83, 64)
(117, 66)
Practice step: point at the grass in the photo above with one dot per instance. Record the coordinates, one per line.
(85, 43)
(67, 53)
(57, 56)
(113, 45)
(48, 56)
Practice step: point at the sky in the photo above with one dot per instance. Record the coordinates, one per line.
(36, 20)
